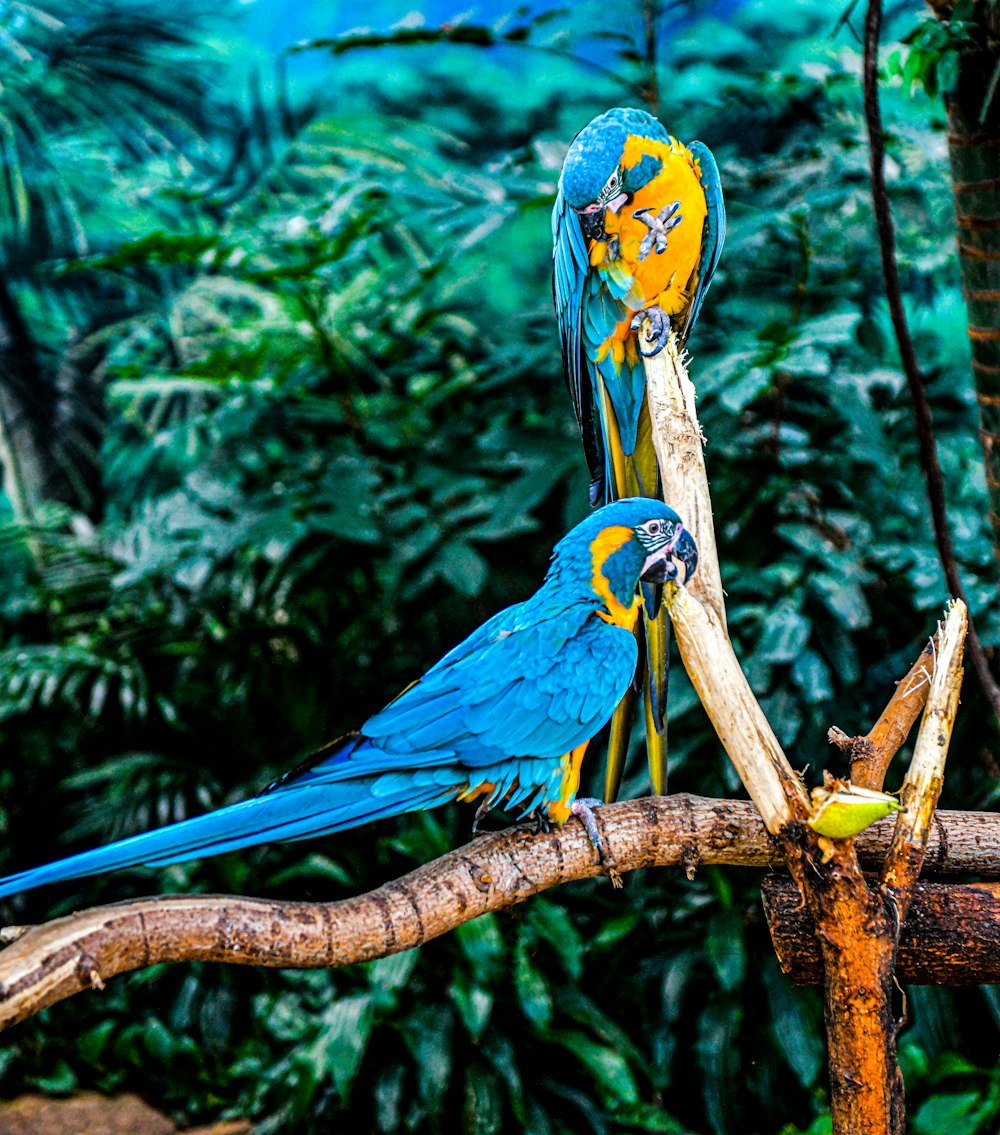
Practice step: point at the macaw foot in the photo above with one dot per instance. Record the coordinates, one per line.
(668, 218)
(615, 249)
(481, 813)
(536, 821)
(583, 808)
(659, 327)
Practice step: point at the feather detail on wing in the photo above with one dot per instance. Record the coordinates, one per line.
(570, 262)
(534, 691)
(714, 233)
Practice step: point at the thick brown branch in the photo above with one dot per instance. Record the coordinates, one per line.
(911, 368)
(951, 936)
(50, 962)
(857, 930)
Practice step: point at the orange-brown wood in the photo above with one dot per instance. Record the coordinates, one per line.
(951, 936)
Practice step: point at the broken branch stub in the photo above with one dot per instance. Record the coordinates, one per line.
(925, 776)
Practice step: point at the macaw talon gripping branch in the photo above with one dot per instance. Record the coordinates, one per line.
(660, 328)
(583, 808)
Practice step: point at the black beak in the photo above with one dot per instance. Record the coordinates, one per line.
(686, 551)
(593, 225)
(659, 571)
(683, 548)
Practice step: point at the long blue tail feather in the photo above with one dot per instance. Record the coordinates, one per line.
(291, 812)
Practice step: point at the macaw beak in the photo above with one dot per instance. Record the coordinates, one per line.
(686, 551)
(659, 567)
(592, 222)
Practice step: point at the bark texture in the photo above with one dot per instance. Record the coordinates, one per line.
(951, 935)
(47, 963)
(871, 754)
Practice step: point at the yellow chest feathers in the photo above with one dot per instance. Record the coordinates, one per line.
(678, 180)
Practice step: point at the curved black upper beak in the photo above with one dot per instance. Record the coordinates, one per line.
(681, 547)
(687, 552)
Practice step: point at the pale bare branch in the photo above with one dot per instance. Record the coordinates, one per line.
(925, 776)
(679, 445)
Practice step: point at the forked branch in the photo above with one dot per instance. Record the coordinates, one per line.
(871, 754)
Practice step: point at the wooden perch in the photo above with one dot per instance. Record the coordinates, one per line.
(698, 611)
(857, 931)
(743, 729)
(951, 936)
(925, 776)
(679, 445)
(57, 959)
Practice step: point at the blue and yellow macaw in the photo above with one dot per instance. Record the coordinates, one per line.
(504, 718)
(638, 227)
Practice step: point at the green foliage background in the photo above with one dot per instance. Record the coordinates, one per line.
(337, 439)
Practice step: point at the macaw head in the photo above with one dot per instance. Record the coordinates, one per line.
(594, 178)
(629, 541)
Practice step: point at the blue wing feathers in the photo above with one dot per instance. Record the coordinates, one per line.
(715, 229)
(503, 707)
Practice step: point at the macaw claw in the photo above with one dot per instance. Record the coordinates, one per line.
(535, 821)
(659, 328)
(583, 808)
(481, 813)
(658, 227)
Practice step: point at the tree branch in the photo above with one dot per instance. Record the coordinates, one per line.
(48, 963)
(925, 776)
(698, 611)
(871, 754)
(739, 721)
(915, 380)
(680, 455)
(951, 936)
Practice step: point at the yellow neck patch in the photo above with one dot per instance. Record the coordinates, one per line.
(605, 544)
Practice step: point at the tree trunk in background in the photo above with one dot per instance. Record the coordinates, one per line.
(974, 149)
(51, 428)
(975, 163)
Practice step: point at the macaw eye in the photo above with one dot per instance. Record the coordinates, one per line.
(612, 187)
(653, 527)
